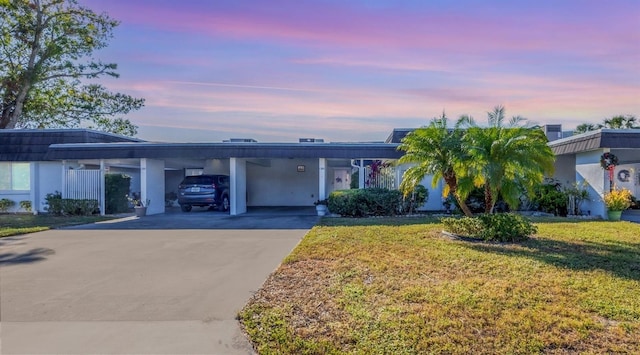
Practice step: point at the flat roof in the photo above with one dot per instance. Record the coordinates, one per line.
(222, 150)
(602, 138)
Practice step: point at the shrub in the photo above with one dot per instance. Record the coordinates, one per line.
(54, 203)
(116, 190)
(501, 227)
(415, 199)
(365, 202)
(59, 206)
(550, 198)
(25, 205)
(6, 204)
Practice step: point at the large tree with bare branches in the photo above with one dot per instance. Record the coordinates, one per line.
(46, 63)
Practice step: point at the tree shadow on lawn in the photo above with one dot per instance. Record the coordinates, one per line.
(621, 258)
(31, 256)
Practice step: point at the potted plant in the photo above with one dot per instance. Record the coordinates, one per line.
(139, 206)
(321, 207)
(616, 202)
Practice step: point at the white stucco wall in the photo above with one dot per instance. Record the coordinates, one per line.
(280, 183)
(172, 179)
(217, 166)
(152, 184)
(633, 184)
(49, 181)
(588, 169)
(565, 169)
(238, 177)
(434, 202)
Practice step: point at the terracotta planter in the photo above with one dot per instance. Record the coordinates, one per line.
(614, 215)
(140, 211)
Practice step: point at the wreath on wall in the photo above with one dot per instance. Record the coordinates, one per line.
(608, 161)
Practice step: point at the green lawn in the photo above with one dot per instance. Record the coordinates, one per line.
(398, 286)
(14, 224)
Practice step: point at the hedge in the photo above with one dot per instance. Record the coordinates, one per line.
(365, 202)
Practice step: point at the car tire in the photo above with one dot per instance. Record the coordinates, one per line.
(224, 204)
(185, 208)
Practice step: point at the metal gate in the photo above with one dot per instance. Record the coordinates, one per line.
(82, 185)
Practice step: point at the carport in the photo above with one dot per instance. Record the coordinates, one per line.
(261, 174)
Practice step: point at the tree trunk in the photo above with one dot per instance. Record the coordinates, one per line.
(452, 181)
(488, 199)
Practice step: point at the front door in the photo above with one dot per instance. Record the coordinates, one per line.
(341, 179)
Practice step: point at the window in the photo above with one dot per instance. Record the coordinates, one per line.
(15, 176)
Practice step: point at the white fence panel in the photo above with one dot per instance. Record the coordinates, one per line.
(384, 177)
(82, 185)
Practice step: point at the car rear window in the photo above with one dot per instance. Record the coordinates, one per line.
(198, 180)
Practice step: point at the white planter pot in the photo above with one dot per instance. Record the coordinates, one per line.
(140, 211)
(321, 209)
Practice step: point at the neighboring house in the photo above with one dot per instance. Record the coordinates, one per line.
(578, 160)
(27, 175)
(262, 174)
(34, 163)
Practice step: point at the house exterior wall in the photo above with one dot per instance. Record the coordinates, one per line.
(173, 178)
(434, 200)
(281, 184)
(588, 169)
(633, 183)
(217, 166)
(565, 169)
(49, 181)
(238, 177)
(152, 184)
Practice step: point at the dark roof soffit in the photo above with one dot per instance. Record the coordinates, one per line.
(222, 150)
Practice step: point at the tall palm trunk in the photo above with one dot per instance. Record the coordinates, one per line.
(452, 182)
(488, 200)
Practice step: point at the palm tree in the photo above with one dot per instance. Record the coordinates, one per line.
(586, 127)
(621, 122)
(615, 122)
(436, 150)
(505, 157)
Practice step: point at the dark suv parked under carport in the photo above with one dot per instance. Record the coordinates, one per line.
(204, 190)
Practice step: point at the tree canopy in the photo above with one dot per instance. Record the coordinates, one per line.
(46, 63)
(615, 122)
(435, 150)
(507, 158)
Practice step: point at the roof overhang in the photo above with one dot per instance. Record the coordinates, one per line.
(222, 150)
(603, 138)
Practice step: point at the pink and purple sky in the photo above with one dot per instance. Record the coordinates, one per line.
(352, 70)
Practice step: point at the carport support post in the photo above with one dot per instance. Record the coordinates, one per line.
(322, 179)
(102, 189)
(238, 177)
(361, 172)
(152, 185)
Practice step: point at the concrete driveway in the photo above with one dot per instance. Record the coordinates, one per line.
(119, 290)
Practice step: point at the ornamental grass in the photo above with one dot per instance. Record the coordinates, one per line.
(618, 200)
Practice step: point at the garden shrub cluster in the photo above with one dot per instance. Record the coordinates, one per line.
(415, 199)
(365, 202)
(59, 206)
(500, 227)
(6, 204)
